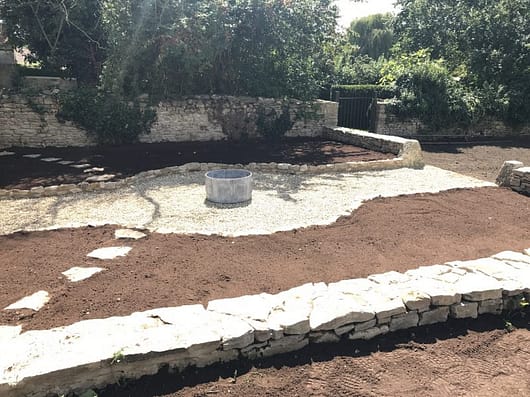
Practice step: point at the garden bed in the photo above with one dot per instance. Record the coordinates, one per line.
(169, 270)
(19, 172)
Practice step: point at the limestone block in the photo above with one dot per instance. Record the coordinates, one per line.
(503, 178)
(464, 310)
(323, 337)
(76, 274)
(433, 316)
(348, 328)
(404, 321)
(477, 287)
(369, 333)
(389, 278)
(254, 307)
(262, 330)
(33, 302)
(366, 325)
(335, 310)
(428, 271)
(108, 253)
(128, 234)
(511, 256)
(384, 307)
(294, 321)
(353, 286)
(285, 345)
(493, 306)
(416, 300)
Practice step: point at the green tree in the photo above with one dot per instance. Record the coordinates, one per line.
(372, 35)
(486, 41)
(60, 34)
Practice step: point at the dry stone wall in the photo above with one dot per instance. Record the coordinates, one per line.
(516, 176)
(31, 121)
(387, 123)
(37, 363)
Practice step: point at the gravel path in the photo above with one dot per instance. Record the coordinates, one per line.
(176, 204)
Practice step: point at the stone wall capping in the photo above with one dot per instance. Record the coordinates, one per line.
(64, 360)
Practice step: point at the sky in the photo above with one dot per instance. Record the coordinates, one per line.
(350, 10)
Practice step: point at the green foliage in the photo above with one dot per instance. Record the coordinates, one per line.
(271, 125)
(488, 39)
(372, 35)
(171, 48)
(60, 34)
(428, 91)
(109, 118)
(366, 90)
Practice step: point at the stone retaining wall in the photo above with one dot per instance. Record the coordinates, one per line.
(408, 155)
(515, 176)
(387, 123)
(64, 359)
(31, 121)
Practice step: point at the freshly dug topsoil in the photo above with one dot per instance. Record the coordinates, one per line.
(169, 270)
(18, 172)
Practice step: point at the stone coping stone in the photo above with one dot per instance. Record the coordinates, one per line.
(94, 353)
(408, 152)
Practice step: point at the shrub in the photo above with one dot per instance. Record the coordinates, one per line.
(366, 90)
(109, 118)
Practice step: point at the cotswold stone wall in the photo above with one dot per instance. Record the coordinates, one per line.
(516, 176)
(31, 121)
(387, 123)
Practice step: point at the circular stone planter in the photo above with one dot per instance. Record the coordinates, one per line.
(228, 186)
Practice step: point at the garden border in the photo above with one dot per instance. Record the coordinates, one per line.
(256, 326)
(408, 152)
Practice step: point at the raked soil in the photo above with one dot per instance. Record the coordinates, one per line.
(398, 233)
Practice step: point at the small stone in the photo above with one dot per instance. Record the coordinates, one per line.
(100, 178)
(76, 274)
(366, 325)
(464, 310)
(65, 162)
(404, 321)
(415, 300)
(80, 166)
(94, 169)
(493, 306)
(6, 153)
(323, 337)
(129, 234)
(109, 252)
(34, 302)
(50, 159)
(32, 156)
(369, 333)
(438, 315)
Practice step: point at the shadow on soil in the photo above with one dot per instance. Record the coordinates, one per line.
(167, 382)
(457, 147)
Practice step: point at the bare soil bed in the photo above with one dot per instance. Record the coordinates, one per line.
(479, 160)
(168, 270)
(18, 172)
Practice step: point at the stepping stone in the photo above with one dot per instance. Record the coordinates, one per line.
(76, 274)
(34, 302)
(100, 178)
(80, 166)
(5, 153)
(94, 169)
(32, 156)
(128, 234)
(65, 162)
(9, 332)
(109, 252)
(51, 159)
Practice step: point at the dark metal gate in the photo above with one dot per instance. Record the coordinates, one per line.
(356, 112)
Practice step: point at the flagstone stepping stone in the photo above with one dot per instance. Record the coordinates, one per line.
(32, 156)
(100, 178)
(129, 234)
(80, 166)
(94, 169)
(6, 153)
(34, 302)
(51, 159)
(65, 162)
(109, 252)
(76, 274)
(9, 332)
